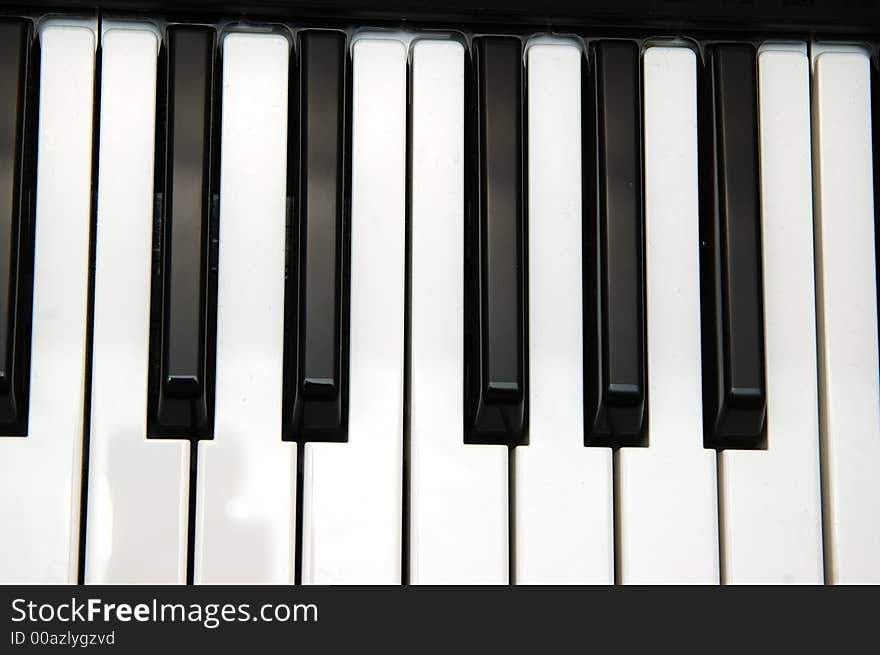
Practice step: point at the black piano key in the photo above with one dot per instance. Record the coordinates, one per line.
(12, 73)
(496, 394)
(17, 141)
(734, 396)
(614, 300)
(316, 275)
(183, 385)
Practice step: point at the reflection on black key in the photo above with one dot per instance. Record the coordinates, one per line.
(316, 372)
(183, 384)
(495, 307)
(614, 300)
(733, 323)
(16, 210)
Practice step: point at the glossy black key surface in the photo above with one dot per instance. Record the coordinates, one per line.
(495, 311)
(614, 287)
(317, 383)
(796, 17)
(183, 385)
(730, 225)
(16, 207)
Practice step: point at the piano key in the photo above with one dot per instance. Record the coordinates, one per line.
(496, 321)
(40, 475)
(318, 389)
(458, 492)
(15, 205)
(667, 518)
(847, 315)
(770, 499)
(138, 489)
(246, 486)
(614, 275)
(570, 541)
(355, 538)
(183, 387)
(875, 122)
(733, 335)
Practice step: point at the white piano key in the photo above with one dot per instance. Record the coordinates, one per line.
(847, 315)
(40, 474)
(564, 530)
(352, 492)
(246, 485)
(668, 524)
(138, 488)
(458, 492)
(770, 499)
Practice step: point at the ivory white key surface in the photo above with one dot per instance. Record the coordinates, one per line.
(352, 492)
(138, 488)
(668, 525)
(770, 499)
(246, 486)
(40, 475)
(564, 524)
(847, 316)
(458, 492)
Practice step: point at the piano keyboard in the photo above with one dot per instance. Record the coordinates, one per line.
(283, 304)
